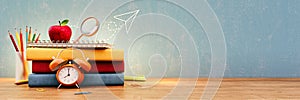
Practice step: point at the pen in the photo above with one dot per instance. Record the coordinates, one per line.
(78, 93)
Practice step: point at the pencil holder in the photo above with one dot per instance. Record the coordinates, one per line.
(19, 68)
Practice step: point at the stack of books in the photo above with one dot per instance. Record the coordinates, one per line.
(107, 66)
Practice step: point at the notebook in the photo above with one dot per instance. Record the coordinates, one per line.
(80, 44)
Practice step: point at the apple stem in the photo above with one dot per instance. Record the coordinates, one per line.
(59, 23)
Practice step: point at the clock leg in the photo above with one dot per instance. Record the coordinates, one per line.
(58, 86)
(77, 85)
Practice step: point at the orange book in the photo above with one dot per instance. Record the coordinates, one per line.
(91, 54)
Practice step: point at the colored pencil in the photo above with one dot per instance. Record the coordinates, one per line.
(13, 41)
(25, 72)
(29, 36)
(26, 39)
(21, 41)
(33, 38)
(14, 44)
(37, 38)
(21, 58)
(18, 38)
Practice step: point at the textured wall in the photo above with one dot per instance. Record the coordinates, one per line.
(247, 38)
(262, 37)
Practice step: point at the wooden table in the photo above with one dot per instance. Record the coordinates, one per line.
(169, 88)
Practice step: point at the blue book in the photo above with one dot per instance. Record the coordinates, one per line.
(42, 80)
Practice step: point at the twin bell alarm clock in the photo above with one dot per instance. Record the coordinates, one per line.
(70, 67)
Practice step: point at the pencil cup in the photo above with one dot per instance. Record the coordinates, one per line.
(19, 68)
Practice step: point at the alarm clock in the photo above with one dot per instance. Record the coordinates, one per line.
(70, 71)
(69, 75)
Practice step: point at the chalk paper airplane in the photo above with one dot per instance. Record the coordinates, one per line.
(127, 18)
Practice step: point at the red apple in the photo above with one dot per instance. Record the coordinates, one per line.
(61, 32)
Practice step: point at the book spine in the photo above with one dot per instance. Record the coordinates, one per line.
(42, 80)
(97, 67)
(97, 55)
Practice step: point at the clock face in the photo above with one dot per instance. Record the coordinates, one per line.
(68, 75)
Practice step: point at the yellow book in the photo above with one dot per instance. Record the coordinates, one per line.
(91, 54)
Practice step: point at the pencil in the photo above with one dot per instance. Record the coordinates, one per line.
(37, 38)
(33, 37)
(29, 36)
(22, 52)
(18, 53)
(18, 38)
(14, 44)
(21, 42)
(13, 41)
(21, 82)
(25, 71)
(26, 39)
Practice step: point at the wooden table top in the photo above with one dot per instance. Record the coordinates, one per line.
(169, 88)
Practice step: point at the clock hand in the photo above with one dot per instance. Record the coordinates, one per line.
(68, 73)
(66, 76)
